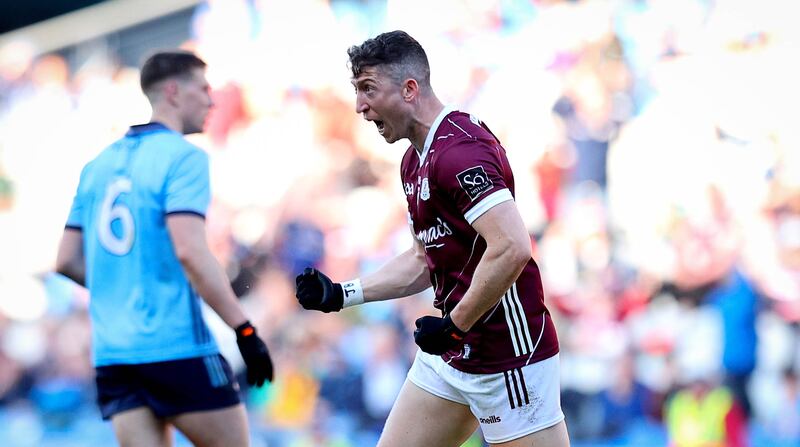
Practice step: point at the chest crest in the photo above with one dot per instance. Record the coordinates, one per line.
(425, 189)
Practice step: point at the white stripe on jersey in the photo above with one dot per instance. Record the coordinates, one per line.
(487, 203)
(544, 320)
(525, 329)
(459, 127)
(517, 323)
(432, 131)
(474, 242)
(511, 330)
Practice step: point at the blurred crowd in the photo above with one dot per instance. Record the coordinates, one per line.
(657, 168)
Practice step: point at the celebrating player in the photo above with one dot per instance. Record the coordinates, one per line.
(136, 238)
(492, 357)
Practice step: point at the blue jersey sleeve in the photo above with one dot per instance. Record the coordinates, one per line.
(187, 188)
(75, 218)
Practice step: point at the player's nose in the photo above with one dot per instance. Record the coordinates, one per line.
(361, 106)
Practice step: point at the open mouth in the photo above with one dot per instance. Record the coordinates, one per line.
(381, 126)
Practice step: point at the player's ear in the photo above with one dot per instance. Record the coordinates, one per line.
(410, 89)
(170, 91)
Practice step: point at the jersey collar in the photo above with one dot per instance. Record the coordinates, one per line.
(139, 129)
(434, 127)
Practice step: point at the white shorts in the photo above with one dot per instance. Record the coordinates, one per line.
(508, 405)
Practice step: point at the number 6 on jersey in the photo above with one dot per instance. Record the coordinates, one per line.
(109, 212)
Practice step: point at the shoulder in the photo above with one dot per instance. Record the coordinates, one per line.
(408, 157)
(462, 126)
(462, 134)
(175, 143)
(100, 161)
(181, 150)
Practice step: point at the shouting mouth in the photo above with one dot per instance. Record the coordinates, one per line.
(381, 126)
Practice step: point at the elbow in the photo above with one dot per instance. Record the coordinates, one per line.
(66, 267)
(64, 270)
(514, 254)
(517, 254)
(520, 255)
(185, 258)
(188, 256)
(70, 270)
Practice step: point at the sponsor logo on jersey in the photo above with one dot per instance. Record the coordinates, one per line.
(408, 188)
(425, 190)
(435, 232)
(490, 420)
(474, 181)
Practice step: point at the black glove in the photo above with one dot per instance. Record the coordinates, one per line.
(316, 291)
(255, 355)
(436, 335)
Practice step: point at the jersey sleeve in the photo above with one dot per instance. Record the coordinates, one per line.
(75, 217)
(471, 174)
(187, 185)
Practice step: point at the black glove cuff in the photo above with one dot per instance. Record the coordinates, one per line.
(453, 330)
(245, 330)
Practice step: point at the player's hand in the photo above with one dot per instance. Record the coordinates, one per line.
(255, 354)
(436, 335)
(316, 291)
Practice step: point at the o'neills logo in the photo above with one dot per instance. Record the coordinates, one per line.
(490, 420)
(435, 232)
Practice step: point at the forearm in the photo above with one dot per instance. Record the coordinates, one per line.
(211, 282)
(494, 275)
(69, 260)
(404, 275)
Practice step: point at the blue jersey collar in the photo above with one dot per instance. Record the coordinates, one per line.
(139, 129)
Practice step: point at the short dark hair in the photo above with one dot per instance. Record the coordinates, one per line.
(399, 55)
(168, 64)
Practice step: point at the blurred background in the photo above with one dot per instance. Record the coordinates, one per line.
(657, 159)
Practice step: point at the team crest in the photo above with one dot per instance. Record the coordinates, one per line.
(425, 190)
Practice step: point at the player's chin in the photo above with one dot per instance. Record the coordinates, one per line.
(389, 138)
(191, 129)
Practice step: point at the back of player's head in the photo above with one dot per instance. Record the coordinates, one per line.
(396, 53)
(167, 64)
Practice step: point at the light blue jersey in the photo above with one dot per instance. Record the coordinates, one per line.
(143, 308)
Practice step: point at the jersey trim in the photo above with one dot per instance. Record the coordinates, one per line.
(434, 127)
(73, 227)
(153, 126)
(460, 128)
(216, 373)
(192, 212)
(538, 340)
(471, 253)
(488, 203)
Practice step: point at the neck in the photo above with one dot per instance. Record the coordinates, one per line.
(171, 120)
(421, 124)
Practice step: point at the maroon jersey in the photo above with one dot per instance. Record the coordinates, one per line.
(463, 172)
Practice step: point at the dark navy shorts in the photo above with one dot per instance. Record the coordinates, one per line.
(167, 388)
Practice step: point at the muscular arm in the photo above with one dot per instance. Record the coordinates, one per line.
(69, 261)
(507, 251)
(188, 235)
(405, 274)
